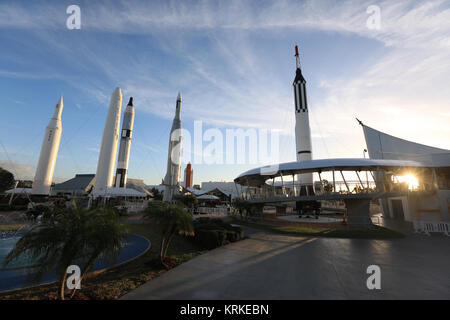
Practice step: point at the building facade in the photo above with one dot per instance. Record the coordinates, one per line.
(433, 203)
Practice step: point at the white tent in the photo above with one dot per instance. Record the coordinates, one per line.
(121, 192)
(19, 191)
(208, 197)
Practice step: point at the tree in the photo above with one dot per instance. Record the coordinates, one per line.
(327, 186)
(255, 209)
(173, 219)
(75, 236)
(187, 199)
(6, 180)
(156, 194)
(241, 206)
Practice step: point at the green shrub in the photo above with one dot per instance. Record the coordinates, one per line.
(233, 236)
(211, 233)
(210, 239)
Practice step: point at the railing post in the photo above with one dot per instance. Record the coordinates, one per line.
(334, 182)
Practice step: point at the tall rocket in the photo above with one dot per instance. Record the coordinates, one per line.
(108, 150)
(125, 144)
(172, 178)
(302, 130)
(49, 152)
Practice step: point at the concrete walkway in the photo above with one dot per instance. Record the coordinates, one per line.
(272, 266)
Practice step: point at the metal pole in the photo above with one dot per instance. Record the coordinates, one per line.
(321, 183)
(334, 182)
(13, 192)
(357, 174)
(348, 189)
(273, 186)
(249, 191)
(367, 176)
(293, 185)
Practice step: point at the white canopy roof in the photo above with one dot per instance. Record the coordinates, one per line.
(121, 192)
(19, 190)
(258, 176)
(208, 197)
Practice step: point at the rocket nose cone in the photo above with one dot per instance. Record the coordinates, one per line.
(117, 92)
(58, 108)
(179, 96)
(130, 103)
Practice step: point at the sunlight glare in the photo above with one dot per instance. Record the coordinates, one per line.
(410, 179)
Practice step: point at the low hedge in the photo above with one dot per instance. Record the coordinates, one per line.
(213, 233)
(6, 207)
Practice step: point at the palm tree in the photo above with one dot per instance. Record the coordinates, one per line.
(77, 236)
(156, 194)
(188, 200)
(172, 219)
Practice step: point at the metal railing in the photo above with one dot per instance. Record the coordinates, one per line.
(298, 190)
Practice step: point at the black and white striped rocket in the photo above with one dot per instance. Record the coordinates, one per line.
(302, 130)
(125, 145)
(172, 179)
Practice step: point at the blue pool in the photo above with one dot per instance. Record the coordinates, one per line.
(13, 277)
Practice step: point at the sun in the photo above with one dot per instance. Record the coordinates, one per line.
(410, 179)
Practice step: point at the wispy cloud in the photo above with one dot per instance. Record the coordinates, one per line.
(94, 149)
(21, 171)
(403, 91)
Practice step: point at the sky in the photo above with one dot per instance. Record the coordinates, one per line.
(233, 62)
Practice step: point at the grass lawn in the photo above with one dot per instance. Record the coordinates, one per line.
(376, 233)
(10, 227)
(113, 283)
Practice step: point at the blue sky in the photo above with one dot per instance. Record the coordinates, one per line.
(233, 63)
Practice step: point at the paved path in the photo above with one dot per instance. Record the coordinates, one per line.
(272, 266)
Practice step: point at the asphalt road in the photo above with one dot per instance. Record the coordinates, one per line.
(272, 266)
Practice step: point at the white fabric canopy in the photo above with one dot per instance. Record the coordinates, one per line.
(19, 190)
(120, 192)
(208, 197)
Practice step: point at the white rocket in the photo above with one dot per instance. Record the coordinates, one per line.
(302, 130)
(125, 144)
(49, 152)
(172, 178)
(108, 150)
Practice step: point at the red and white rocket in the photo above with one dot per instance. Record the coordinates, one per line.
(172, 179)
(302, 130)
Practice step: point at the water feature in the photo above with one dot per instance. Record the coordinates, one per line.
(15, 274)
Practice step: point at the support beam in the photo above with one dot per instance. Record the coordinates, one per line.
(334, 182)
(293, 185)
(248, 190)
(375, 181)
(357, 174)
(237, 191)
(282, 183)
(273, 186)
(343, 178)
